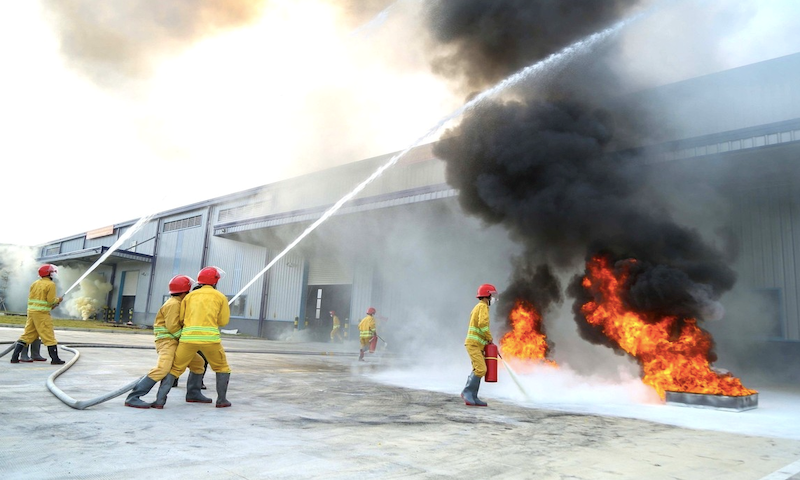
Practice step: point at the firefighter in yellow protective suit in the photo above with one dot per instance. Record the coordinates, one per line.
(366, 331)
(478, 336)
(203, 311)
(167, 330)
(41, 299)
(336, 333)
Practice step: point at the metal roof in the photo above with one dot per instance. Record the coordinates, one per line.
(91, 255)
(393, 199)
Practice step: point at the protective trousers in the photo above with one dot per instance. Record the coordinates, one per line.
(166, 348)
(213, 352)
(478, 360)
(39, 324)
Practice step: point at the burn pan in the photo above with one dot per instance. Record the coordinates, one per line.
(718, 402)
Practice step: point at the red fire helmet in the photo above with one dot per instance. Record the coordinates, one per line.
(46, 269)
(371, 311)
(486, 290)
(180, 284)
(209, 276)
(333, 313)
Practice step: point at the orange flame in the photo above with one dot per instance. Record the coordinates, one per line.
(526, 340)
(672, 361)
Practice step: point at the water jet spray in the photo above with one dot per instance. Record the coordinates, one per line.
(545, 66)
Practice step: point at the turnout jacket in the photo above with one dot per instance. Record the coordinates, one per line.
(42, 296)
(367, 327)
(203, 311)
(168, 320)
(478, 332)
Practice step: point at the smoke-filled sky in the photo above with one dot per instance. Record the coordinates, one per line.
(113, 110)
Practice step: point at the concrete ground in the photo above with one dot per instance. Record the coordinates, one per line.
(311, 410)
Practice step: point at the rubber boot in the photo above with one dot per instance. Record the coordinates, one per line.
(142, 388)
(53, 351)
(163, 390)
(222, 389)
(361, 354)
(470, 392)
(23, 356)
(193, 394)
(35, 355)
(18, 346)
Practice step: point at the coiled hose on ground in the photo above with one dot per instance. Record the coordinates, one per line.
(83, 404)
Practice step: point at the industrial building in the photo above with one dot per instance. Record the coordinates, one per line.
(739, 132)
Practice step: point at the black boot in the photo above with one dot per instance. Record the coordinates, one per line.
(193, 394)
(163, 390)
(222, 390)
(470, 392)
(142, 388)
(53, 351)
(361, 354)
(18, 346)
(35, 355)
(23, 357)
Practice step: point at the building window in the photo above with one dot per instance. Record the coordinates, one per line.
(238, 306)
(182, 224)
(52, 250)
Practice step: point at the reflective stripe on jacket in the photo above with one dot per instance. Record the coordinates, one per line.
(203, 311)
(367, 327)
(478, 332)
(167, 323)
(42, 296)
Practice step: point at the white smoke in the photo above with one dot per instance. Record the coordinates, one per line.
(90, 295)
(18, 269)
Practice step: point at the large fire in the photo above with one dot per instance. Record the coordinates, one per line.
(526, 339)
(672, 361)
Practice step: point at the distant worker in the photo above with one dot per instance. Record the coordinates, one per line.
(203, 311)
(367, 330)
(41, 300)
(167, 330)
(336, 333)
(478, 336)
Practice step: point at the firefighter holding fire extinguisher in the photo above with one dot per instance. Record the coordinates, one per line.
(367, 332)
(478, 336)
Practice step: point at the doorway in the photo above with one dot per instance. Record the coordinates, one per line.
(320, 300)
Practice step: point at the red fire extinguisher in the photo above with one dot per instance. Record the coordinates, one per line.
(490, 354)
(373, 343)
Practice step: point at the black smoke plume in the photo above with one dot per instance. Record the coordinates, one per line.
(488, 40)
(551, 171)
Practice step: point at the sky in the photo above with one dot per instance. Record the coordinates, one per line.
(112, 111)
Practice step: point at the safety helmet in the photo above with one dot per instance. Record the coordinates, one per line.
(47, 269)
(371, 311)
(333, 313)
(486, 290)
(210, 275)
(180, 284)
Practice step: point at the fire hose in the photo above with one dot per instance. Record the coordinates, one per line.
(83, 404)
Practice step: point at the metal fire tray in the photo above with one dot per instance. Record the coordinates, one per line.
(719, 402)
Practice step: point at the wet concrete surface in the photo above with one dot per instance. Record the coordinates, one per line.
(311, 410)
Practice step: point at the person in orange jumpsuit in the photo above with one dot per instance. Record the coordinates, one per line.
(478, 336)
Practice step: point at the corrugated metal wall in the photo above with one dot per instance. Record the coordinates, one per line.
(241, 263)
(285, 290)
(768, 226)
(179, 252)
(329, 270)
